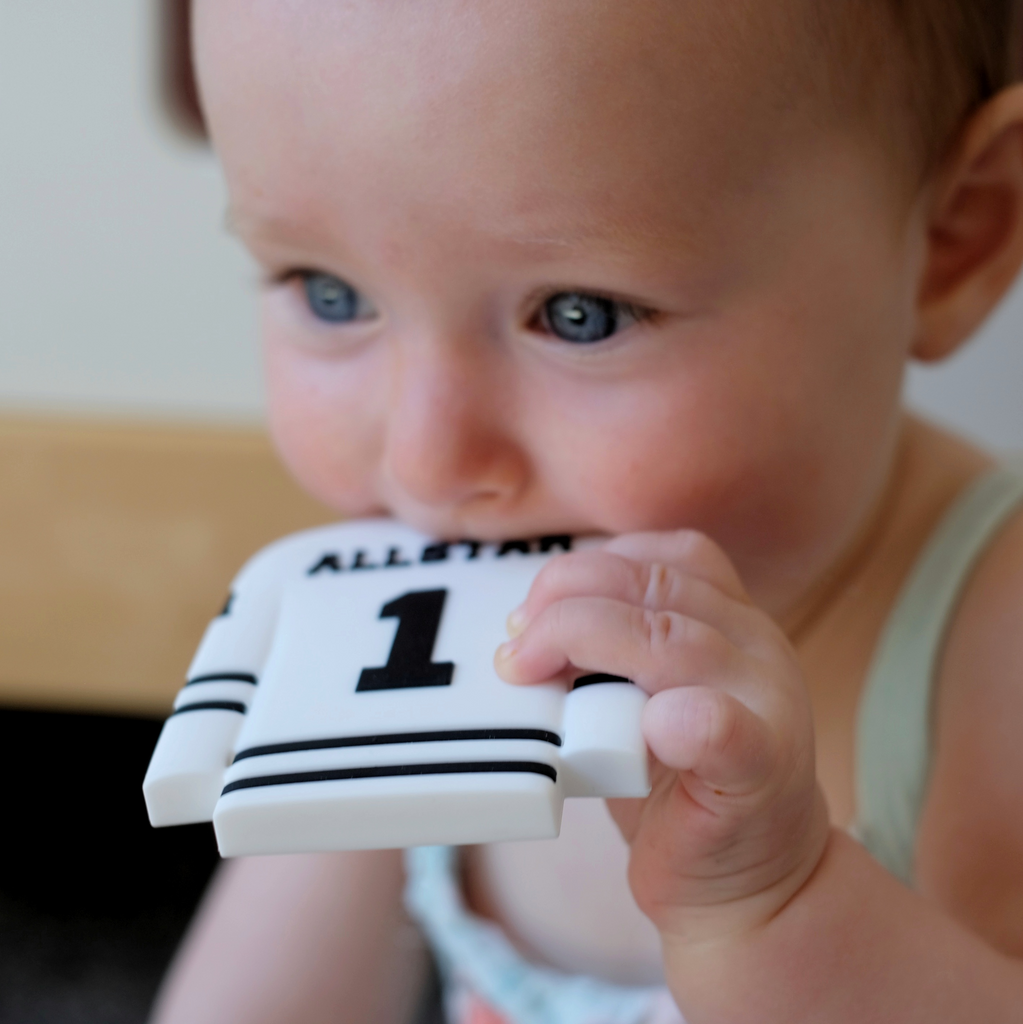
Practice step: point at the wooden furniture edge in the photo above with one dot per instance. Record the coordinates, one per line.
(117, 543)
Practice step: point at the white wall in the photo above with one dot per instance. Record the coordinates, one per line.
(120, 292)
(980, 390)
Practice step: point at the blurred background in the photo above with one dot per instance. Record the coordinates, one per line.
(135, 478)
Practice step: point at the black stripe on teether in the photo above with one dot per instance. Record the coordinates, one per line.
(212, 705)
(598, 677)
(223, 677)
(390, 771)
(382, 739)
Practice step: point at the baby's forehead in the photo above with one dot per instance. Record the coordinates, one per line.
(499, 97)
(568, 50)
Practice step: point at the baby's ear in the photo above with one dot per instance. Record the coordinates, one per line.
(975, 228)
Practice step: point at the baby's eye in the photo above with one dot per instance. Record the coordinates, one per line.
(585, 319)
(333, 300)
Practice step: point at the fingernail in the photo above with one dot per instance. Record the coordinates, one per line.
(516, 622)
(507, 650)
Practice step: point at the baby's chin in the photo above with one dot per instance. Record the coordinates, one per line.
(483, 521)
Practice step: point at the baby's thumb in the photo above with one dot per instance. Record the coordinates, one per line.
(711, 734)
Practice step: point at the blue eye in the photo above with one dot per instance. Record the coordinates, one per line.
(585, 319)
(333, 300)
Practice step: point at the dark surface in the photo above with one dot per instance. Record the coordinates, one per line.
(92, 900)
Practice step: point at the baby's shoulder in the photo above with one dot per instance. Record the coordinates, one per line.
(982, 659)
(970, 846)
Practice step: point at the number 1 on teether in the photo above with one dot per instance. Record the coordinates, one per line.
(410, 662)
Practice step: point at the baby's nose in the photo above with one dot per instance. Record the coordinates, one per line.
(451, 437)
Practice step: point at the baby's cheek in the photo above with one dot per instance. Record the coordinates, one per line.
(699, 464)
(645, 473)
(323, 429)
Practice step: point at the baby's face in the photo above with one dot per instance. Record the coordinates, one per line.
(571, 266)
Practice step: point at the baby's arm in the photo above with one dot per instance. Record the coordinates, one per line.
(304, 939)
(766, 913)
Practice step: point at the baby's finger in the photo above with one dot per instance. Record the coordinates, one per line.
(711, 734)
(688, 550)
(657, 586)
(655, 649)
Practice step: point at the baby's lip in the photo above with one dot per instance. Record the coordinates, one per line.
(546, 543)
(555, 544)
(533, 537)
(485, 523)
(588, 541)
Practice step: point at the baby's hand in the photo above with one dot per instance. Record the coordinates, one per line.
(735, 822)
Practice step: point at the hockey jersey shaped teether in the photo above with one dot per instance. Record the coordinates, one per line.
(346, 698)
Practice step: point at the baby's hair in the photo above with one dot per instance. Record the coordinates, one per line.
(961, 53)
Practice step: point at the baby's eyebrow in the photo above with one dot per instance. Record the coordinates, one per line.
(539, 241)
(256, 227)
(627, 236)
(246, 224)
(621, 241)
(614, 242)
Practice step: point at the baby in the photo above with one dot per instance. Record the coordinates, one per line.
(654, 270)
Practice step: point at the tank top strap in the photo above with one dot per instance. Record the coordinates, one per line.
(895, 729)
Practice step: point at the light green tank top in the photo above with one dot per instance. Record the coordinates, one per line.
(893, 764)
(894, 741)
